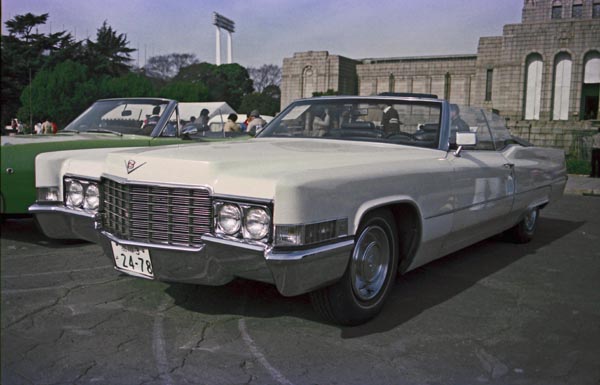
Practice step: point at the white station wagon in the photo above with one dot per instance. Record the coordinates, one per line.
(335, 197)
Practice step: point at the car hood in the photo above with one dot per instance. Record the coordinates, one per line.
(64, 137)
(257, 167)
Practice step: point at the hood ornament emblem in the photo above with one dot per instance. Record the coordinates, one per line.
(131, 167)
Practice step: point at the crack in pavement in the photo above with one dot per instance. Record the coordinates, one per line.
(68, 291)
(158, 344)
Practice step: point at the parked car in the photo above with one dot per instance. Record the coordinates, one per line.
(334, 198)
(123, 122)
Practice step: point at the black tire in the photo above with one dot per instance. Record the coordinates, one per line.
(524, 230)
(361, 292)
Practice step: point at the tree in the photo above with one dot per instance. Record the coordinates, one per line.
(227, 82)
(168, 66)
(60, 93)
(110, 53)
(267, 102)
(185, 91)
(129, 86)
(25, 52)
(264, 76)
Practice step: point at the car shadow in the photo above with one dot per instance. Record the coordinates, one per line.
(24, 229)
(413, 293)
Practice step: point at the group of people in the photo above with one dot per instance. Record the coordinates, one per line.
(253, 123)
(18, 128)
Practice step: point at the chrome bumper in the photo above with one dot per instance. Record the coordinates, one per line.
(58, 222)
(217, 261)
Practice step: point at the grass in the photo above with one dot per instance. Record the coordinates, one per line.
(578, 166)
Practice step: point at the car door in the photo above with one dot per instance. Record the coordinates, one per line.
(482, 187)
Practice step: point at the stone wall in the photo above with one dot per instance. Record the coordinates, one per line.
(316, 71)
(431, 75)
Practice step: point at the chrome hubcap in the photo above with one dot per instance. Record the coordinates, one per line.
(530, 219)
(370, 261)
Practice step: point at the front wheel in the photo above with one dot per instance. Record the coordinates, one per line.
(359, 295)
(524, 230)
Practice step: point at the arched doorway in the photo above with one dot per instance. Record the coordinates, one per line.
(533, 86)
(562, 86)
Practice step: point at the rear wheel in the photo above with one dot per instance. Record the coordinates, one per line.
(359, 295)
(523, 232)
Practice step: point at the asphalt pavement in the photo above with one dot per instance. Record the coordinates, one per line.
(494, 313)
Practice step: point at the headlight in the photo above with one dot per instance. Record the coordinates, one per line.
(256, 223)
(92, 197)
(242, 222)
(82, 194)
(229, 218)
(74, 193)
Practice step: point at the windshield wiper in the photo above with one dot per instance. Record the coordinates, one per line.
(104, 131)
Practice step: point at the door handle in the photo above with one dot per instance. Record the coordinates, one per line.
(509, 165)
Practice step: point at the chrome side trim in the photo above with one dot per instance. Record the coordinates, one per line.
(150, 245)
(232, 243)
(299, 255)
(37, 208)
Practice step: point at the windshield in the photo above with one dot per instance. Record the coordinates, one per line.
(410, 122)
(124, 116)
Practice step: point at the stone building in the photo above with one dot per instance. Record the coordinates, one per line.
(542, 75)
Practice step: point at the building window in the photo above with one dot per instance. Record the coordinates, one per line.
(488, 84)
(556, 10)
(447, 85)
(590, 90)
(577, 11)
(596, 10)
(562, 86)
(533, 87)
(392, 83)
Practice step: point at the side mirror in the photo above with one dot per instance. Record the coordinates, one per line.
(466, 139)
(126, 113)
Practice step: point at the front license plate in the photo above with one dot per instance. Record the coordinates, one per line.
(133, 259)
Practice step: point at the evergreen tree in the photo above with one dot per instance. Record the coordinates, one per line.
(110, 53)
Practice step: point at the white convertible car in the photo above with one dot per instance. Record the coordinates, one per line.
(335, 197)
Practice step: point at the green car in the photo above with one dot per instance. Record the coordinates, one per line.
(126, 122)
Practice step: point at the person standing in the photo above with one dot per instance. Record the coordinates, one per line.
(390, 120)
(456, 122)
(596, 155)
(37, 128)
(47, 127)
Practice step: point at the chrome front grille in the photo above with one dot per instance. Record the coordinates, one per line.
(155, 214)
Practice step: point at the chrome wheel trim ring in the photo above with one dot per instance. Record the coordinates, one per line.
(370, 263)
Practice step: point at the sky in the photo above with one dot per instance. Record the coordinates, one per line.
(267, 31)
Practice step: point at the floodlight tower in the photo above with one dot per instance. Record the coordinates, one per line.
(228, 25)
